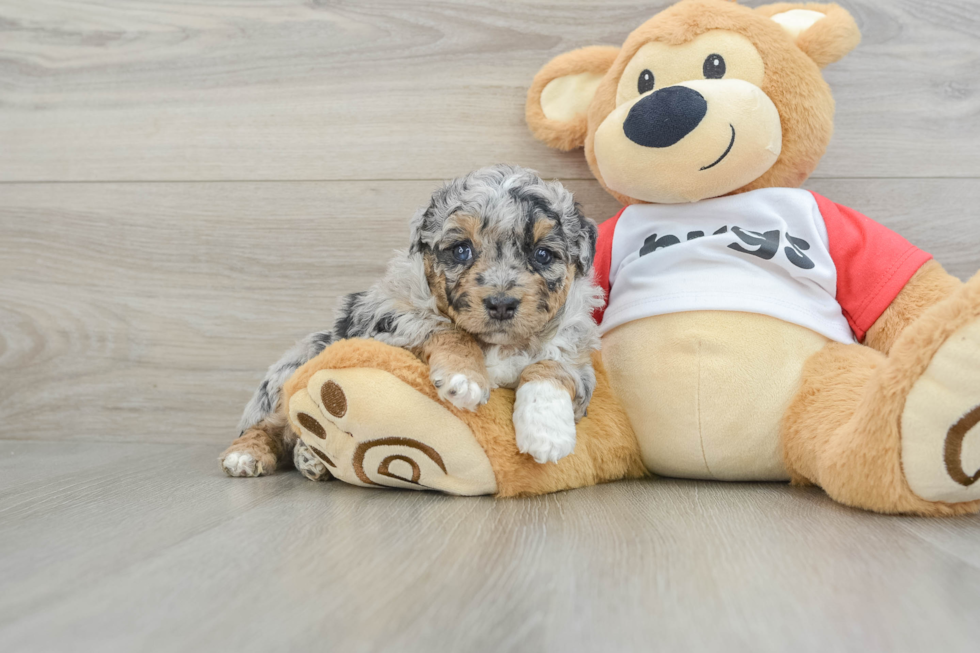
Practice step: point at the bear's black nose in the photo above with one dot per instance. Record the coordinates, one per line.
(665, 116)
(501, 307)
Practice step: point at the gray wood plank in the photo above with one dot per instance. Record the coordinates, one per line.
(123, 547)
(149, 311)
(375, 89)
(72, 514)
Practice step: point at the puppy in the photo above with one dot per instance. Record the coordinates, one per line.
(495, 290)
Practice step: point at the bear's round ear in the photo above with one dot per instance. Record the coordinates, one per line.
(559, 98)
(824, 32)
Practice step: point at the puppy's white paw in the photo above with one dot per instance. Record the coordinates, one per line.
(544, 419)
(460, 390)
(241, 463)
(308, 464)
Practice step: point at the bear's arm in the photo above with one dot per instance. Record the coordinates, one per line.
(878, 274)
(927, 287)
(603, 262)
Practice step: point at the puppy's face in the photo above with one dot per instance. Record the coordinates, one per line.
(498, 281)
(501, 250)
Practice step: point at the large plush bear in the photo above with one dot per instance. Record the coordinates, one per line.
(752, 330)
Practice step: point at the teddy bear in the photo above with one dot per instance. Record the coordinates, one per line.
(751, 331)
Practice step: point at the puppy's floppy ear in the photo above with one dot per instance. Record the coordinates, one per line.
(559, 98)
(420, 226)
(585, 242)
(824, 32)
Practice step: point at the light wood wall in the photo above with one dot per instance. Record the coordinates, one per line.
(185, 189)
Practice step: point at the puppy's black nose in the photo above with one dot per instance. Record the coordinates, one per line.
(665, 116)
(501, 307)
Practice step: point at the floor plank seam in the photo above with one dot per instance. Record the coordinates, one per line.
(942, 550)
(221, 443)
(372, 180)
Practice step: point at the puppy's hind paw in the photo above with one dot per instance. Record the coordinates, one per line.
(240, 463)
(544, 420)
(308, 463)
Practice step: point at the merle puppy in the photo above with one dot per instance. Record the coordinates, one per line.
(495, 291)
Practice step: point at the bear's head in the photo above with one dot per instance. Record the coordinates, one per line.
(707, 98)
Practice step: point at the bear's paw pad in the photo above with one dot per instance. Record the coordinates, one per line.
(941, 423)
(371, 429)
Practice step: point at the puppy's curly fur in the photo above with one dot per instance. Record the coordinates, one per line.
(495, 290)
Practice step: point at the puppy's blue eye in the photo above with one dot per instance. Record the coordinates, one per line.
(462, 253)
(543, 256)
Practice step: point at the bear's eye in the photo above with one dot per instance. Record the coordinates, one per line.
(714, 67)
(462, 252)
(645, 83)
(543, 256)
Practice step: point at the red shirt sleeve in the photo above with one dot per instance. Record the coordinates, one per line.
(873, 263)
(603, 261)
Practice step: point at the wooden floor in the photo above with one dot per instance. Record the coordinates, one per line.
(146, 547)
(157, 160)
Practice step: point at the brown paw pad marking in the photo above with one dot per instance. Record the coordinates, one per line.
(322, 456)
(311, 425)
(334, 399)
(383, 468)
(316, 429)
(954, 448)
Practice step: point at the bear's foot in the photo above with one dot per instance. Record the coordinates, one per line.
(896, 433)
(369, 428)
(371, 415)
(941, 422)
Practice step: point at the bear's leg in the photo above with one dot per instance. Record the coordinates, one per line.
(370, 412)
(896, 433)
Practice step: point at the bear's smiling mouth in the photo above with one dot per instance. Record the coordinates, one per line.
(726, 151)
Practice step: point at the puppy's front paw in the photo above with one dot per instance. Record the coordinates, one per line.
(544, 419)
(464, 391)
(240, 463)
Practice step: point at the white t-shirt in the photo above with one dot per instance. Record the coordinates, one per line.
(776, 251)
